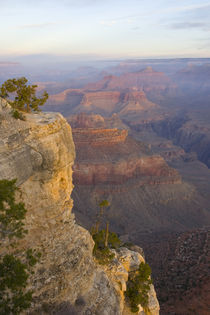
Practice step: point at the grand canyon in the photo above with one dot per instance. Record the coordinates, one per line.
(105, 157)
(142, 141)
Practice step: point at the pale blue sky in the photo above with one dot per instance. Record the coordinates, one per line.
(108, 28)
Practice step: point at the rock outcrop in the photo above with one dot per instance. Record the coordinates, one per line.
(39, 152)
(99, 137)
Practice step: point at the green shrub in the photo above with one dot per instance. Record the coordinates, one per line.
(23, 95)
(102, 253)
(138, 286)
(17, 115)
(113, 240)
(104, 256)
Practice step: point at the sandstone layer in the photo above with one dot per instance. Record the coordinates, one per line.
(39, 152)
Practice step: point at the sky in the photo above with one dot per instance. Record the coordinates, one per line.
(105, 28)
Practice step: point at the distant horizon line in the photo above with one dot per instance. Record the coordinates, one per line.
(13, 59)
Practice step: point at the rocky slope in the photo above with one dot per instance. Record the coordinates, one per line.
(181, 261)
(39, 152)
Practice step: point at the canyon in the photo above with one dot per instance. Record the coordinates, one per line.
(142, 142)
(115, 168)
(39, 152)
(168, 118)
(167, 182)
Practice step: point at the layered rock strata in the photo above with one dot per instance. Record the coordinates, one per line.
(98, 137)
(109, 156)
(144, 192)
(39, 152)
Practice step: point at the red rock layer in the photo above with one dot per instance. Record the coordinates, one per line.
(98, 137)
(83, 120)
(146, 168)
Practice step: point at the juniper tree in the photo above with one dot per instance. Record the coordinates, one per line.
(102, 205)
(23, 96)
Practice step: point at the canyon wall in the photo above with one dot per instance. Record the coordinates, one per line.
(144, 192)
(39, 153)
(193, 135)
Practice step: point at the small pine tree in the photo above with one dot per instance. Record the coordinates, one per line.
(25, 98)
(138, 287)
(102, 205)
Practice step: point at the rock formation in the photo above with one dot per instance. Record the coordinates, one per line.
(155, 84)
(126, 102)
(39, 152)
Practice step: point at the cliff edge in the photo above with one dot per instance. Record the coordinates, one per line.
(39, 152)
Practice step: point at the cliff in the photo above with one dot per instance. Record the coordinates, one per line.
(39, 152)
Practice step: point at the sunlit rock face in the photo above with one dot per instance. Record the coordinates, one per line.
(39, 153)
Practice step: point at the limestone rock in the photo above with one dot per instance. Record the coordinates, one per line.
(127, 260)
